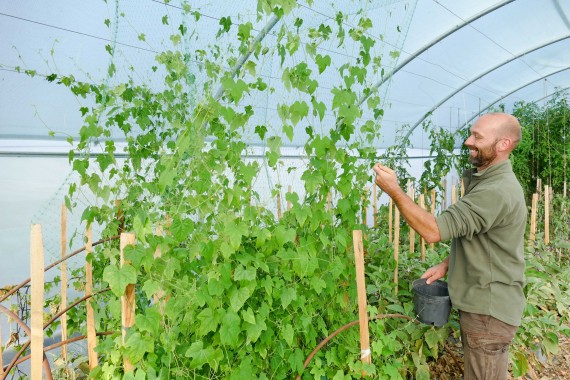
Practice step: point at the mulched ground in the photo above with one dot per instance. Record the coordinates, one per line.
(449, 365)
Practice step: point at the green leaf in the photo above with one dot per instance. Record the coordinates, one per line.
(201, 355)
(118, 279)
(230, 329)
(242, 273)
(432, 338)
(248, 316)
(238, 297)
(209, 321)
(235, 231)
(149, 321)
(288, 334)
(138, 345)
(312, 180)
(284, 235)
(287, 296)
(323, 62)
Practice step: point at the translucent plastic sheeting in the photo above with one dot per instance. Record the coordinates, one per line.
(456, 58)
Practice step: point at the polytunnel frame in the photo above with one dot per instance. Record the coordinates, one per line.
(432, 43)
(509, 94)
(458, 90)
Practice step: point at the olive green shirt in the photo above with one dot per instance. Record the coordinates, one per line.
(486, 262)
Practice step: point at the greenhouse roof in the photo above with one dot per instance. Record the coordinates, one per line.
(441, 61)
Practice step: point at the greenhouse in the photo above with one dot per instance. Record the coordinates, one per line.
(260, 189)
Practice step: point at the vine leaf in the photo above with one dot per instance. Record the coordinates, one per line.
(118, 279)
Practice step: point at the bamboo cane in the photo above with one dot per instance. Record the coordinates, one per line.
(462, 188)
(365, 356)
(128, 299)
(396, 245)
(453, 194)
(288, 201)
(63, 319)
(90, 314)
(37, 301)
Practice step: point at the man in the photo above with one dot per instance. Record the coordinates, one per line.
(486, 263)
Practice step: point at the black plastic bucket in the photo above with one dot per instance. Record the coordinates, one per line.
(431, 302)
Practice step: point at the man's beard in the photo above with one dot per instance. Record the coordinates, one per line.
(484, 156)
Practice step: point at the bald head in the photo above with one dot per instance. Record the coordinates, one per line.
(503, 126)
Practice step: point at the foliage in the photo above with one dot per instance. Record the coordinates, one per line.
(544, 148)
(239, 293)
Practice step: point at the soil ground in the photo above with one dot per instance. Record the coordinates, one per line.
(449, 365)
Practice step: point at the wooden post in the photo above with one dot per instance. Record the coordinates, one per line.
(422, 240)
(396, 245)
(546, 215)
(1, 352)
(375, 205)
(365, 356)
(412, 194)
(90, 314)
(390, 221)
(279, 214)
(365, 207)
(432, 209)
(453, 194)
(128, 300)
(444, 204)
(288, 201)
(37, 301)
(564, 190)
(63, 318)
(157, 297)
(532, 232)
(462, 188)
(329, 201)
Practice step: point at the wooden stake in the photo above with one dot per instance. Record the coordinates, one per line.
(532, 232)
(390, 221)
(396, 245)
(453, 194)
(288, 201)
(546, 215)
(412, 194)
(90, 314)
(364, 207)
(564, 190)
(1, 352)
(365, 356)
(279, 214)
(329, 202)
(422, 240)
(63, 317)
(462, 188)
(444, 204)
(432, 209)
(128, 300)
(157, 297)
(37, 301)
(375, 205)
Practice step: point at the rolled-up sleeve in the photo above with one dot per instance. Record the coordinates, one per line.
(475, 213)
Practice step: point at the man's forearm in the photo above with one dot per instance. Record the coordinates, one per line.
(419, 219)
